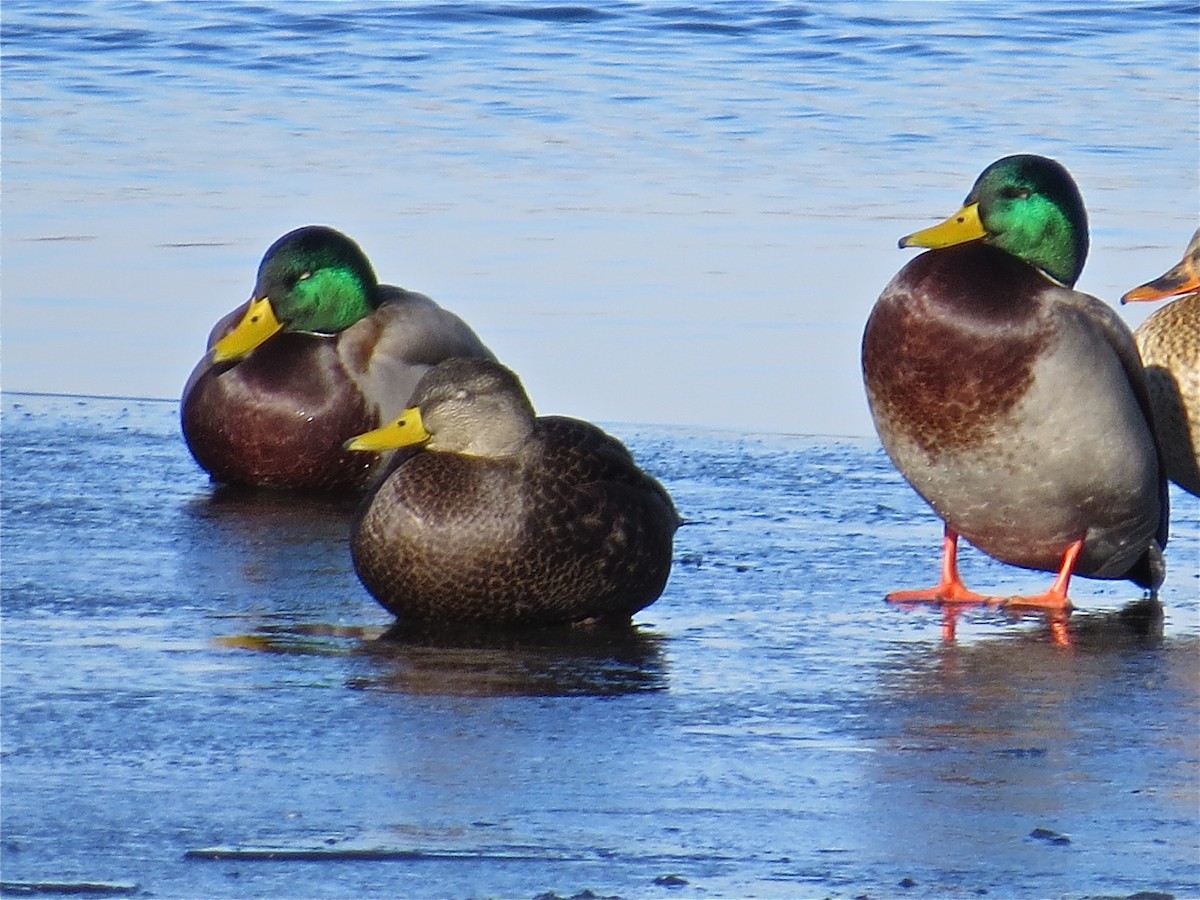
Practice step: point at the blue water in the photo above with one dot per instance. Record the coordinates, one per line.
(656, 213)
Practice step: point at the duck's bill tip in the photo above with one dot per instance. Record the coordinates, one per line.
(406, 431)
(962, 227)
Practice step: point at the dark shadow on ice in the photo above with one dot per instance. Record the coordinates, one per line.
(250, 509)
(574, 660)
(1137, 624)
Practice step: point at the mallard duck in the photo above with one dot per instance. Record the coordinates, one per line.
(1014, 405)
(321, 352)
(501, 518)
(1169, 342)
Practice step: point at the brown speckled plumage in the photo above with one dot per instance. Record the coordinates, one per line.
(1169, 341)
(565, 529)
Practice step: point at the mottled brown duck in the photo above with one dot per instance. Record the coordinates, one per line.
(1169, 341)
(503, 518)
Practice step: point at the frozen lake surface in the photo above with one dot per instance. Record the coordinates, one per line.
(197, 701)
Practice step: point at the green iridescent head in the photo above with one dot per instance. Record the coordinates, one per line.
(1026, 205)
(317, 280)
(313, 279)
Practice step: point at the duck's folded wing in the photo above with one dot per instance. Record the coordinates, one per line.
(1120, 338)
(386, 353)
(592, 456)
(412, 327)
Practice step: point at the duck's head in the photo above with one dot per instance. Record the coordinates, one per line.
(1025, 205)
(472, 407)
(313, 279)
(1181, 280)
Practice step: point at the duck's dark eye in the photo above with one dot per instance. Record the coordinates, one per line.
(1014, 193)
(303, 276)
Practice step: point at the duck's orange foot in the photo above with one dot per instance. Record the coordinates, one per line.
(1050, 602)
(1052, 605)
(950, 590)
(953, 592)
(1053, 602)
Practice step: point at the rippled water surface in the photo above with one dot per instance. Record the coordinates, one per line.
(197, 700)
(662, 213)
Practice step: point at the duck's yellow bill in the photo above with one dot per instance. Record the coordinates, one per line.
(965, 225)
(1180, 280)
(403, 432)
(258, 324)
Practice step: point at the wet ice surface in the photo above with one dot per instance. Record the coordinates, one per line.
(196, 700)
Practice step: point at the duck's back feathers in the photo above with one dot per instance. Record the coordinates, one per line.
(583, 453)
(386, 353)
(409, 326)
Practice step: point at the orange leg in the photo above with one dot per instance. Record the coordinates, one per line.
(1054, 600)
(950, 589)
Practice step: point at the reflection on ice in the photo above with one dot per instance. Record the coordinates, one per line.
(571, 660)
(549, 662)
(1139, 621)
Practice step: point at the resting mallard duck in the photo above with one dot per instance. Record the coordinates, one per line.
(320, 353)
(501, 518)
(1170, 345)
(1015, 406)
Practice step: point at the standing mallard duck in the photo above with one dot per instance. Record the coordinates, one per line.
(503, 518)
(1015, 406)
(321, 352)
(1170, 345)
